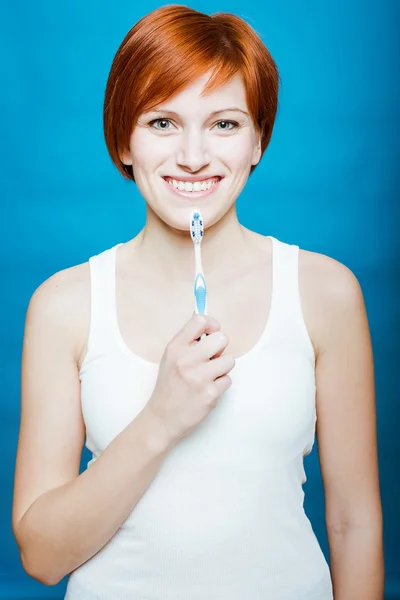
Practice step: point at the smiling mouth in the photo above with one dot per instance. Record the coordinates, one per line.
(201, 185)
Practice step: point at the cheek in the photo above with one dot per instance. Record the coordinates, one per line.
(147, 150)
(237, 151)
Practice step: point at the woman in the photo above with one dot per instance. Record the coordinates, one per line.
(195, 486)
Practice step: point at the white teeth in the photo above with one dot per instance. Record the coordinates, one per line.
(188, 186)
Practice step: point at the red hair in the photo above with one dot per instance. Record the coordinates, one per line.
(169, 49)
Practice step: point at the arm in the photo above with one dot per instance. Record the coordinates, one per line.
(61, 518)
(346, 433)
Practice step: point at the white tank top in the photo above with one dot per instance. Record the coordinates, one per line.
(223, 519)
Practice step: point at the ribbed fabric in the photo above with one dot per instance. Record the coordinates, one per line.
(223, 519)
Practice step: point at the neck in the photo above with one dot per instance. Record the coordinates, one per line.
(168, 253)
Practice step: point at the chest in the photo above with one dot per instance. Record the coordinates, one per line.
(148, 319)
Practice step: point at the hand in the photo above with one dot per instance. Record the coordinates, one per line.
(189, 384)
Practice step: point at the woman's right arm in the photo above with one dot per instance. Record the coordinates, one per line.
(62, 518)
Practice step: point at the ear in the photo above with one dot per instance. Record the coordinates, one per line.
(257, 151)
(125, 157)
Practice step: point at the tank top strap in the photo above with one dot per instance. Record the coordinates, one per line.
(103, 301)
(286, 296)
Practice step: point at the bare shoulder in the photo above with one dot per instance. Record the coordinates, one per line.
(62, 303)
(330, 294)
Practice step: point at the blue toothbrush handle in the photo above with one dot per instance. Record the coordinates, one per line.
(200, 296)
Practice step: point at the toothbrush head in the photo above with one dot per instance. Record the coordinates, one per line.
(196, 227)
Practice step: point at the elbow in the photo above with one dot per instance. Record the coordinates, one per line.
(33, 559)
(45, 576)
(34, 563)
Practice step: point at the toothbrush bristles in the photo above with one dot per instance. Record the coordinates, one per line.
(196, 227)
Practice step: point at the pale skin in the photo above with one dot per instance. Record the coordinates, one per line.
(52, 429)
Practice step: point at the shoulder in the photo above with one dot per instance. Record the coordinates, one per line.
(331, 296)
(60, 306)
(330, 278)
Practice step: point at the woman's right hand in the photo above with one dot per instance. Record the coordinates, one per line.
(189, 384)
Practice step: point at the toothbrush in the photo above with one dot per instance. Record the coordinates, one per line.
(200, 290)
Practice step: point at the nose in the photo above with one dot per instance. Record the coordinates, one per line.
(193, 153)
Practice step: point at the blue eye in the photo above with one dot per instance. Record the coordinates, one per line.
(163, 124)
(227, 125)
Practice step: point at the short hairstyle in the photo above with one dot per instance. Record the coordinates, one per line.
(170, 48)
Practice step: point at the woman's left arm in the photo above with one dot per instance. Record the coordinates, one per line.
(346, 434)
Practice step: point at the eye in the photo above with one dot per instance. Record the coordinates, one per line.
(227, 125)
(160, 124)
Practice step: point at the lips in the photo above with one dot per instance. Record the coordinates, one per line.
(192, 178)
(192, 187)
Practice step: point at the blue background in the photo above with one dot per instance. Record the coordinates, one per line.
(329, 182)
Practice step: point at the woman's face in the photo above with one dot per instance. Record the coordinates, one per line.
(195, 151)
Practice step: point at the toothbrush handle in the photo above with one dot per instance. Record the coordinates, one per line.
(200, 295)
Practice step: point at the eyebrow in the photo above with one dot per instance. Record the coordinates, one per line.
(212, 114)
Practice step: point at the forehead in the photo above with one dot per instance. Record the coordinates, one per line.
(192, 97)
